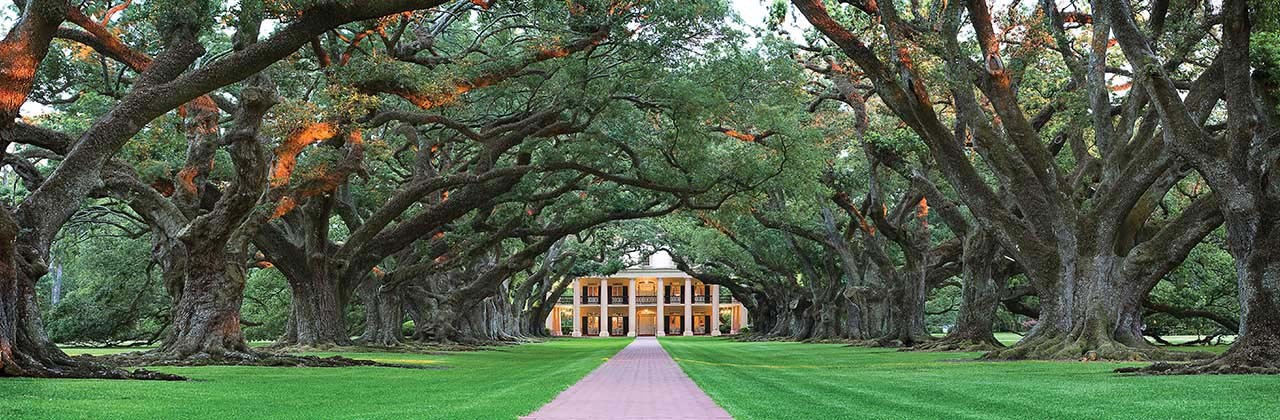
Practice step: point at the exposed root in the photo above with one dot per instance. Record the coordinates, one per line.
(1086, 349)
(1252, 357)
(406, 347)
(161, 358)
(958, 344)
(81, 368)
(890, 341)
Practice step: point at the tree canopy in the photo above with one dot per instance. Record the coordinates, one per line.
(917, 174)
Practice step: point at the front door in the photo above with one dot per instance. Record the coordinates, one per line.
(647, 324)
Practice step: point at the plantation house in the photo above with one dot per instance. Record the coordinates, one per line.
(631, 300)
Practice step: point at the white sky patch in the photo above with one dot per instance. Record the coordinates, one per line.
(755, 14)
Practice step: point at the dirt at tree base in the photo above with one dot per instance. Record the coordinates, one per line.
(1057, 347)
(88, 367)
(1216, 367)
(956, 345)
(261, 359)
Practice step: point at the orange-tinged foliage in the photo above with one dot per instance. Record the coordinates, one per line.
(740, 135)
(617, 8)
(378, 272)
(715, 224)
(163, 186)
(323, 180)
(574, 8)
(484, 4)
(1122, 87)
(433, 98)
(844, 201)
(287, 152)
(106, 17)
(428, 101)
(1077, 18)
(285, 206)
(922, 211)
(437, 236)
(186, 178)
(553, 52)
(17, 71)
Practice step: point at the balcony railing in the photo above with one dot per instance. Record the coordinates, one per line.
(674, 299)
(646, 300)
(568, 300)
(702, 299)
(726, 298)
(617, 300)
(591, 299)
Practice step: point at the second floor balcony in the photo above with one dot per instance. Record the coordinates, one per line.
(586, 300)
(702, 299)
(617, 300)
(646, 300)
(675, 299)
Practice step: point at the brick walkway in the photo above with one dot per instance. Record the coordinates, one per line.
(640, 382)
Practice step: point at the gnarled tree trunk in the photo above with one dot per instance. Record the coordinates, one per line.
(980, 296)
(315, 317)
(205, 319)
(384, 314)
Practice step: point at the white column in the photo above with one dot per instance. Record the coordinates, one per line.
(735, 318)
(577, 308)
(688, 306)
(631, 308)
(715, 309)
(551, 318)
(604, 308)
(662, 302)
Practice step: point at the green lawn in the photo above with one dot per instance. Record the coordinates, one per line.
(777, 380)
(502, 383)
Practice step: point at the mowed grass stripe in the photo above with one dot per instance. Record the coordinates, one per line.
(781, 380)
(501, 383)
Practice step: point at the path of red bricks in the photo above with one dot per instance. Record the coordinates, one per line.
(640, 382)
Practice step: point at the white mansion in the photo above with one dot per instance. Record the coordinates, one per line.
(651, 299)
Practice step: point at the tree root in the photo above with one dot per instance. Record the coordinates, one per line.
(1256, 356)
(161, 358)
(957, 344)
(1216, 367)
(84, 367)
(1064, 347)
(890, 341)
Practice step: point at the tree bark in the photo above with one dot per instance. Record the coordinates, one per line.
(205, 320)
(384, 314)
(980, 297)
(315, 316)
